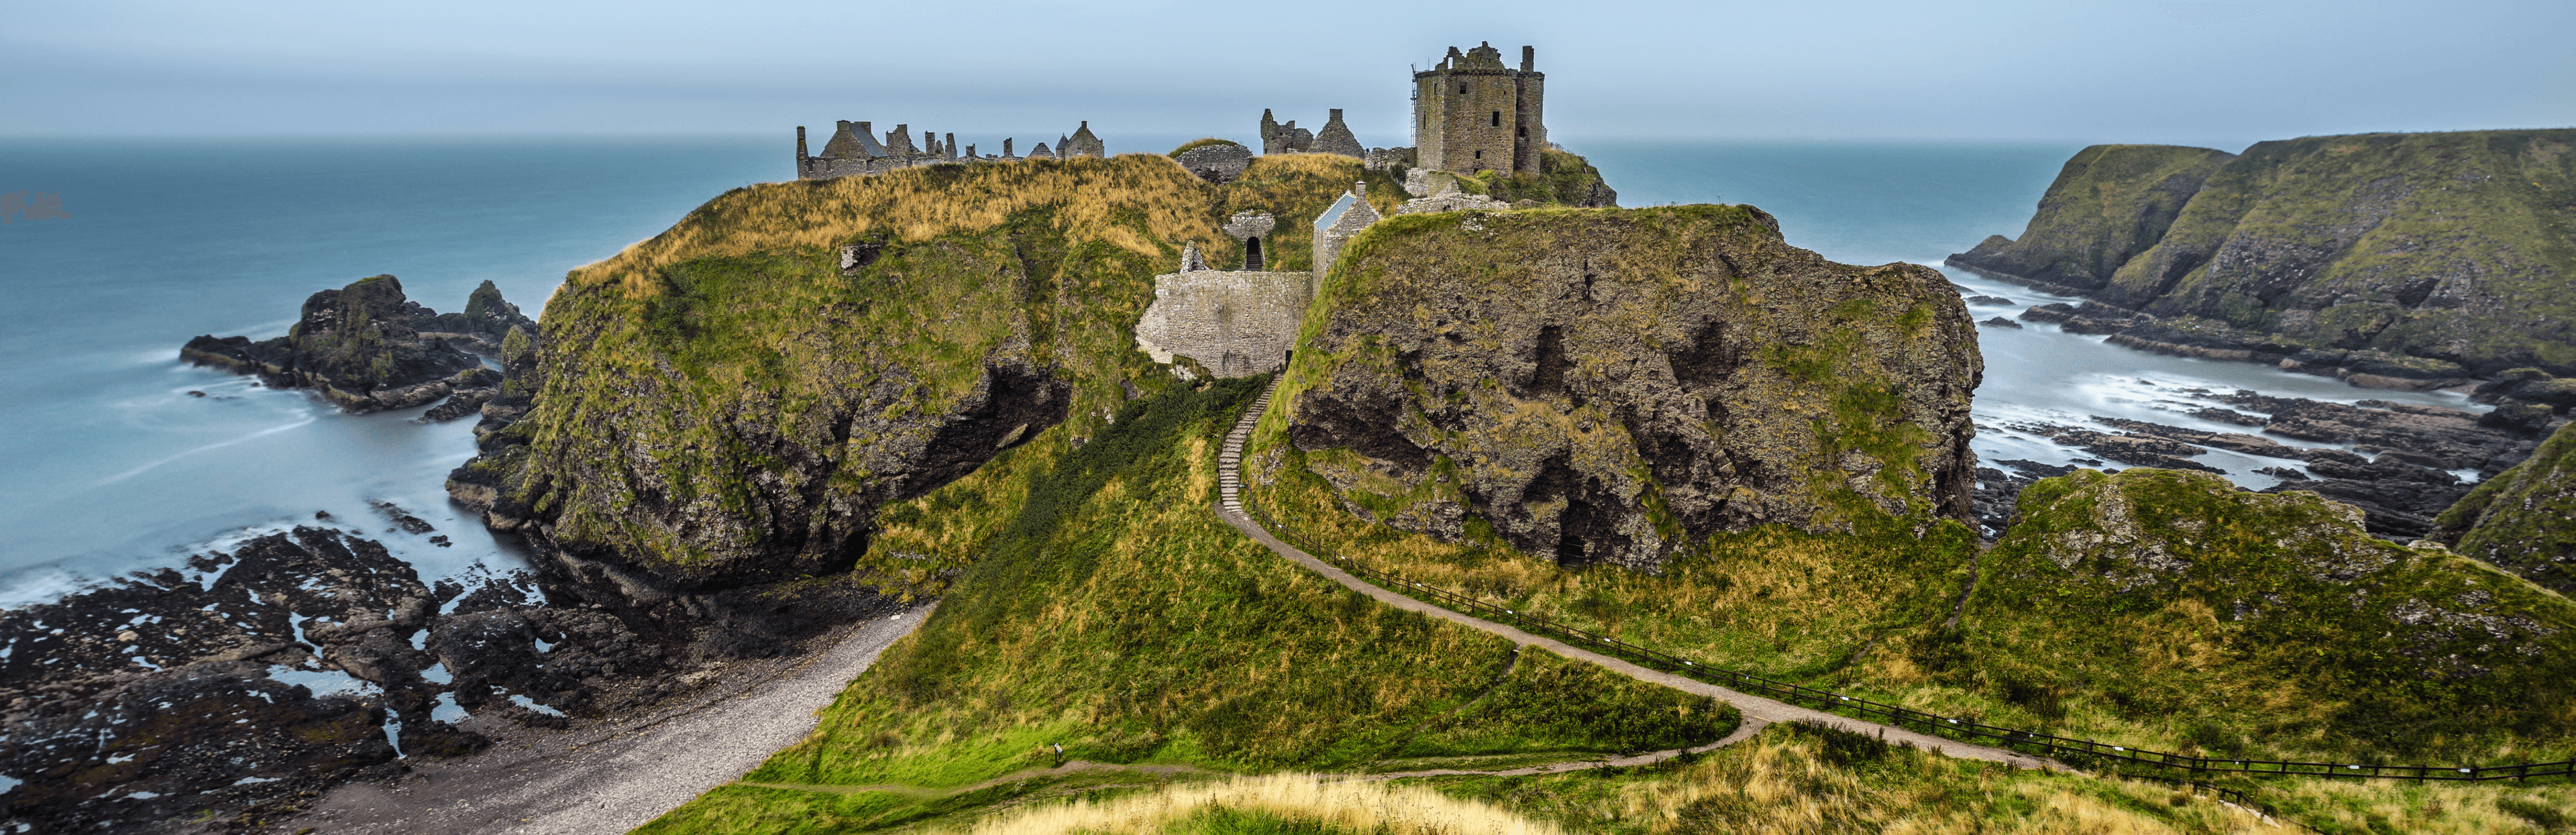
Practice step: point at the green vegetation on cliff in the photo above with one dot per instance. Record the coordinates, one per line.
(1563, 179)
(2108, 204)
(725, 404)
(2459, 247)
(1613, 386)
(2254, 622)
(2524, 519)
(1114, 613)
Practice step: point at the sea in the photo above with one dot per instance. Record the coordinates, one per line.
(116, 457)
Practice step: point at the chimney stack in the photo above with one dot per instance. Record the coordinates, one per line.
(1529, 58)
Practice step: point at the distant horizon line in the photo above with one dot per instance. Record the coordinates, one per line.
(784, 137)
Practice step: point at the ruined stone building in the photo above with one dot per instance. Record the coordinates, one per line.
(1244, 321)
(1336, 138)
(854, 150)
(1471, 113)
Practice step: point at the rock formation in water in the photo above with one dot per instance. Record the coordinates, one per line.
(2418, 260)
(2524, 520)
(366, 348)
(1607, 386)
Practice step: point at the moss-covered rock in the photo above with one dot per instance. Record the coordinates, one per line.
(1607, 385)
(2108, 204)
(2524, 519)
(2162, 590)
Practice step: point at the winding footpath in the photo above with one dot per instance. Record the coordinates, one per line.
(1758, 711)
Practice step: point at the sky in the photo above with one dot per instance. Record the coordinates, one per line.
(2220, 74)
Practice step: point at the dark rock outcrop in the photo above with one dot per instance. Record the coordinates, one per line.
(192, 685)
(1603, 386)
(366, 348)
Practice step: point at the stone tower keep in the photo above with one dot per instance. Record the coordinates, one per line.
(1471, 113)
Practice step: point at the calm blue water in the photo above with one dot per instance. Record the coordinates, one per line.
(110, 465)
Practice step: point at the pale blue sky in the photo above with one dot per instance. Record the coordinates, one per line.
(2211, 73)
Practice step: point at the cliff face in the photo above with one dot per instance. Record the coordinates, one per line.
(1604, 386)
(2524, 520)
(366, 347)
(2110, 203)
(730, 403)
(2455, 248)
(2160, 586)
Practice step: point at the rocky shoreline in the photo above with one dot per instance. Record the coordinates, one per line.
(234, 687)
(2402, 466)
(228, 691)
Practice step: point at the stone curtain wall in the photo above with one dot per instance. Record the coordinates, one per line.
(1236, 323)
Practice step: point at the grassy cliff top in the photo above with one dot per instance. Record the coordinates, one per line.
(2108, 203)
(1143, 203)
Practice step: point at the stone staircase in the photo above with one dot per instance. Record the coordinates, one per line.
(1229, 458)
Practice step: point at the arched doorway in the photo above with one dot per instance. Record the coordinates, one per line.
(1252, 253)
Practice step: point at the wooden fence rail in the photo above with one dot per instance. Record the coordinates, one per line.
(1963, 729)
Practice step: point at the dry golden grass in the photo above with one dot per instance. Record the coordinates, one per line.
(1789, 780)
(1132, 201)
(1343, 804)
(1091, 197)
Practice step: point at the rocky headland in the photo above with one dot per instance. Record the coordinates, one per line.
(1609, 386)
(366, 348)
(2393, 260)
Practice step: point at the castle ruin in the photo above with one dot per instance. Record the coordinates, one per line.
(1241, 322)
(854, 151)
(1471, 113)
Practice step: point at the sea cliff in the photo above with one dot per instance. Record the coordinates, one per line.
(2419, 260)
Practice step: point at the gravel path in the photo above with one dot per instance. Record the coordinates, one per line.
(1755, 708)
(612, 775)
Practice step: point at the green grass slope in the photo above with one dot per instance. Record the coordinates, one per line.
(2248, 622)
(1115, 614)
(2108, 204)
(2524, 519)
(723, 405)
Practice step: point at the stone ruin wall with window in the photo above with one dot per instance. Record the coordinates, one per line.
(1471, 113)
